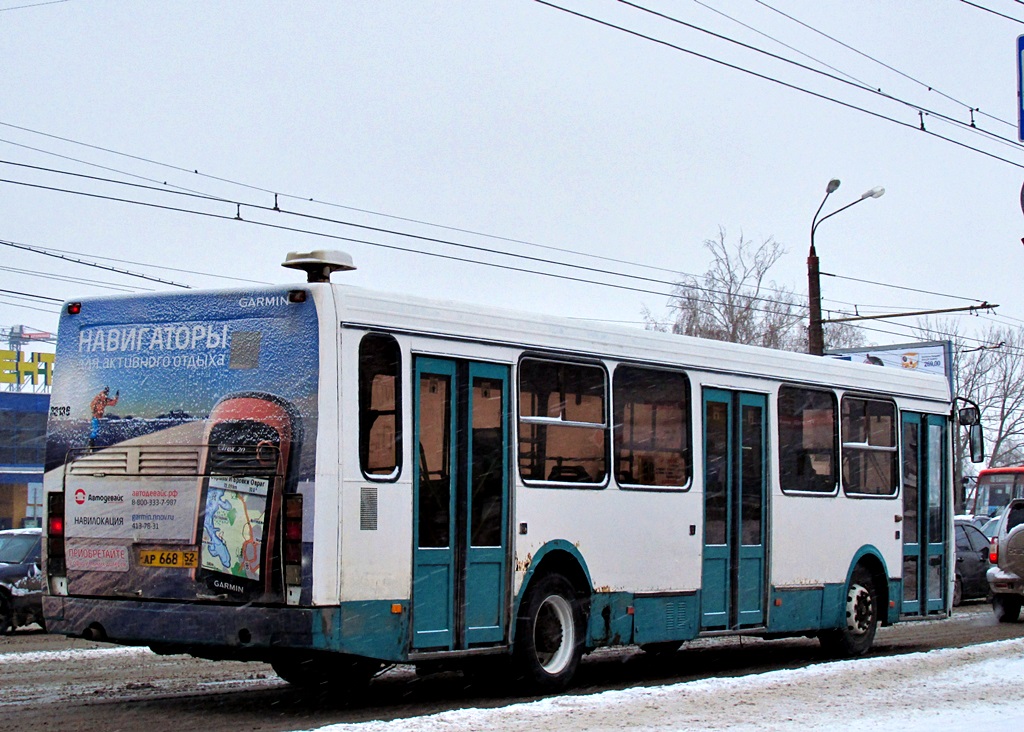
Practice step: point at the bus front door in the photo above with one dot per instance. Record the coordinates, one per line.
(461, 497)
(735, 485)
(924, 514)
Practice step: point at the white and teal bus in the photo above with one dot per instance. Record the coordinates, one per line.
(332, 480)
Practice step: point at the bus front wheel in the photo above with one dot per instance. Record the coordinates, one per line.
(549, 634)
(858, 633)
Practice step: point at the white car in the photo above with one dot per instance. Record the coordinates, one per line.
(1006, 553)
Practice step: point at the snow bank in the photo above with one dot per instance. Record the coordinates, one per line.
(918, 692)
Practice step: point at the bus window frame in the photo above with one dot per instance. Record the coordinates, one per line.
(687, 418)
(836, 451)
(363, 451)
(605, 425)
(896, 450)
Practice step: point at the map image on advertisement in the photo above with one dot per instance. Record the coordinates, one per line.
(233, 526)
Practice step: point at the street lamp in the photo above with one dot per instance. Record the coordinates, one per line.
(815, 334)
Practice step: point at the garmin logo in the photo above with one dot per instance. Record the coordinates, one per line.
(228, 586)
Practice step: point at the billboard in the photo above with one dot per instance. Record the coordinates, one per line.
(932, 357)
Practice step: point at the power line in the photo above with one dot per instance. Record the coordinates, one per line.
(76, 260)
(780, 82)
(337, 237)
(31, 296)
(365, 227)
(856, 83)
(929, 87)
(990, 10)
(239, 204)
(186, 191)
(297, 197)
(74, 280)
(33, 5)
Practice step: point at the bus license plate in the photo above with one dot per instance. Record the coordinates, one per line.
(169, 558)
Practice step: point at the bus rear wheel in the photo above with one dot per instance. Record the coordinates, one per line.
(858, 633)
(326, 672)
(549, 635)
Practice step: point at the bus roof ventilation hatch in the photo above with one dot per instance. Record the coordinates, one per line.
(319, 264)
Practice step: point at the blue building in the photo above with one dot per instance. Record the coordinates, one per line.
(22, 454)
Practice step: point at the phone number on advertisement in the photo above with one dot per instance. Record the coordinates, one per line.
(154, 501)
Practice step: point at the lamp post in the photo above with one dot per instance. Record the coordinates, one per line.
(815, 334)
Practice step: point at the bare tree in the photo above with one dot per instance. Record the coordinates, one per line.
(991, 374)
(734, 300)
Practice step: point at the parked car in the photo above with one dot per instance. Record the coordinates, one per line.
(21, 581)
(972, 549)
(1006, 552)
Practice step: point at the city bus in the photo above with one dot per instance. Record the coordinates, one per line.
(994, 489)
(335, 480)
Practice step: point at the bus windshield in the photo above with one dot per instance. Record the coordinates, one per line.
(996, 489)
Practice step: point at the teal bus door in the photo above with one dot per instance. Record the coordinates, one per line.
(461, 498)
(735, 488)
(924, 514)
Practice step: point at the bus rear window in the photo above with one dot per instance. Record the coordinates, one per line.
(869, 447)
(380, 436)
(563, 427)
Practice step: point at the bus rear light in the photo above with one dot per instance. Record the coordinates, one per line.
(55, 563)
(993, 550)
(292, 544)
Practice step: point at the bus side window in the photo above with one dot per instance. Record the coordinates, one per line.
(869, 447)
(808, 444)
(380, 399)
(652, 427)
(563, 422)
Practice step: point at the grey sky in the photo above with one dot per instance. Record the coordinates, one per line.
(518, 120)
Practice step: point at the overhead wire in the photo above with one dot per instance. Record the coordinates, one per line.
(183, 190)
(856, 83)
(276, 209)
(780, 82)
(375, 229)
(928, 87)
(994, 12)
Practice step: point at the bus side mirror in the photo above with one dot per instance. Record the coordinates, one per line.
(968, 416)
(977, 443)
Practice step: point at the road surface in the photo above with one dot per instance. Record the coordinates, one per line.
(50, 682)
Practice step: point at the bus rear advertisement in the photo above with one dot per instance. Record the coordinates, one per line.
(332, 480)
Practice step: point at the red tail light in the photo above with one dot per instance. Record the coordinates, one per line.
(55, 533)
(292, 533)
(993, 550)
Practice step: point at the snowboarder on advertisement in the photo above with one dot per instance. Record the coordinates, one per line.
(98, 406)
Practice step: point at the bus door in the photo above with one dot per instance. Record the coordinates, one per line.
(924, 514)
(461, 504)
(735, 487)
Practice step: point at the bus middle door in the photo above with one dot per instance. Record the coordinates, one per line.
(461, 497)
(735, 487)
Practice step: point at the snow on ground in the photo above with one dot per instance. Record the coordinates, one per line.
(919, 692)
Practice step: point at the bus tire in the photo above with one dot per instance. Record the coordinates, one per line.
(549, 635)
(327, 672)
(858, 633)
(1006, 608)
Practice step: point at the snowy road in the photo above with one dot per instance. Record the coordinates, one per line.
(919, 692)
(918, 676)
